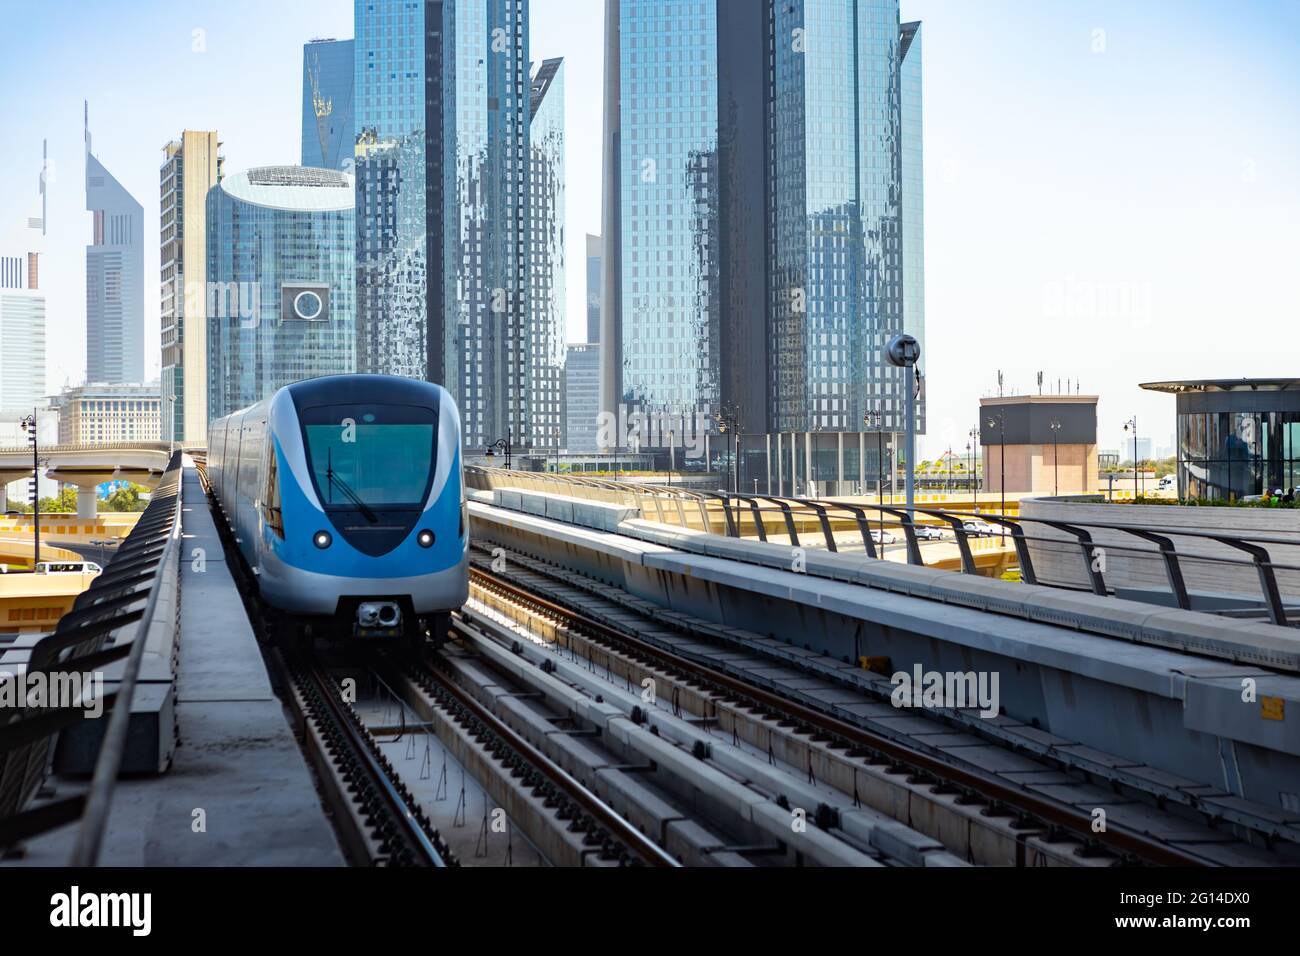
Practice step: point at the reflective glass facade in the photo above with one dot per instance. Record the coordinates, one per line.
(913, 162)
(1236, 437)
(392, 304)
(442, 166)
(280, 270)
(669, 238)
(837, 208)
(1229, 455)
(767, 159)
(328, 118)
(546, 274)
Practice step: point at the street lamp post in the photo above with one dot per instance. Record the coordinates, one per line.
(672, 437)
(29, 425)
(1056, 457)
(729, 426)
(501, 444)
(904, 352)
(878, 419)
(975, 478)
(1000, 423)
(1132, 424)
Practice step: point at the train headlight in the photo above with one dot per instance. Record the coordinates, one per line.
(322, 539)
(425, 538)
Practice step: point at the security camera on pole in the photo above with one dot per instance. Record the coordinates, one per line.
(904, 351)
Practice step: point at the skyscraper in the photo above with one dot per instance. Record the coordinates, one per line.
(546, 273)
(114, 277)
(22, 334)
(763, 225)
(595, 279)
(192, 166)
(443, 260)
(328, 119)
(280, 271)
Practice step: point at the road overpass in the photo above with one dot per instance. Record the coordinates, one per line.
(86, 467)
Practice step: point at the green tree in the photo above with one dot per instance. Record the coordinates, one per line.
(126, 498)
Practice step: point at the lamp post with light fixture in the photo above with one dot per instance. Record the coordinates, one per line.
(1056, 456)
(501, 444)
(1000, 423)
(1132, 424)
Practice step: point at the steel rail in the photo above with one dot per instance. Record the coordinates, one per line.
(397, 807)
(637, 842)
(1051, 812)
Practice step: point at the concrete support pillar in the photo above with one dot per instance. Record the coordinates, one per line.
(4, 498)
(87, 502)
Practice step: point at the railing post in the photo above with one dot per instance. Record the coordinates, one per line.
(1175, 574)
(1084, 539)
(1267, 577)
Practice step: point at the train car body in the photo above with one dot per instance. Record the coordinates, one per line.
(346, 497)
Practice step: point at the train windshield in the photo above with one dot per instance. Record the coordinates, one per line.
(370, 456)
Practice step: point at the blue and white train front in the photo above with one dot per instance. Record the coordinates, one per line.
(370, 526)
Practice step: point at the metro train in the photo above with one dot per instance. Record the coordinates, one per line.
(346, 496)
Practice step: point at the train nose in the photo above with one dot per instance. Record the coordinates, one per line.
(379, 614)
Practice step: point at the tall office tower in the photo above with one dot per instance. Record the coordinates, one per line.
(581, 398)
(595, 279)
(22, 335)
(280, 271)
(192, 166)
(910, 100)
(756, 165)
(114, 278)
(328, 120)
(443, 260)
(546, 273)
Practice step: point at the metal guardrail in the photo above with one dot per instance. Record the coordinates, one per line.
(671, 505)
(125, 594)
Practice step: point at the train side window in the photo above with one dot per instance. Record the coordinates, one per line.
(272, 511)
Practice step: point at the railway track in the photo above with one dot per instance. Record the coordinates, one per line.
(561, 816)
(1063, 832)
(379, 821)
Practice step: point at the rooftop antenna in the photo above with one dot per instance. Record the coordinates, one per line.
(1040, 383)
(999, 383)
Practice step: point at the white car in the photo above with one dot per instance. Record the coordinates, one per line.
(883, 537)
(68, 567)
(977, 528)
(928, 532)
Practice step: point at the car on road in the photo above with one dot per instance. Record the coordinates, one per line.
(883, 537)
(68, 567)
(977, 528)
(928, 532)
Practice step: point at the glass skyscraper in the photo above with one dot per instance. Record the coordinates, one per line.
(328, 122)
(443, 162)
(595, 280)
(546, 272)
(114, 277)
(765, 161)
(280, 270)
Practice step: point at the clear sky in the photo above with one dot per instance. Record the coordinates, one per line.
(1112, 187)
